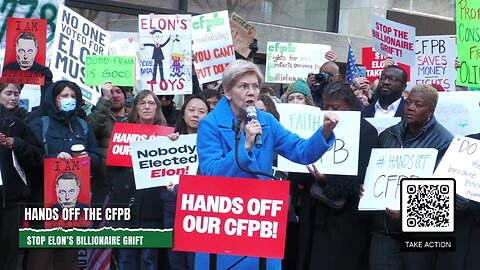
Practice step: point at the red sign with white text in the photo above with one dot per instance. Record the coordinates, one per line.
(25, 51)
(124, 133)
(235, 216)
(374, 63)
(67, 191)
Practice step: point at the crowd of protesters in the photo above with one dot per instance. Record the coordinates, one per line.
(326, 233)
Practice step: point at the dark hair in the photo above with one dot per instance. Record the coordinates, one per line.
(60, 85)
(208, 93)
(28, 36)
(167, 97)
(181, 126)
(404, 73)
(267, 90)
(270, 105)
(343, 91)
(4, 85)
(159, 119)
(68, 175)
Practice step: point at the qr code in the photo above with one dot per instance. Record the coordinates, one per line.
(427, 205)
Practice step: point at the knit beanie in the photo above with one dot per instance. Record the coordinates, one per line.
(299, 86)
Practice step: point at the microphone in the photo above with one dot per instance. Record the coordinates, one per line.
(251, 115)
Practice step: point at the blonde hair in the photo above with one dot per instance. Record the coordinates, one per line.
(428, 91)
(236, 69)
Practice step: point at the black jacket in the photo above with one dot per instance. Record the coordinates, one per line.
(60, 138)
(27, 150)
(432, 135)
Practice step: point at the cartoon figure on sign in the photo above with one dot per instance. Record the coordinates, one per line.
(185, 68)
(67, 188)
(157, 54)
(177, 59)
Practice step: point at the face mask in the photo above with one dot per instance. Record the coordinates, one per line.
(67, 104)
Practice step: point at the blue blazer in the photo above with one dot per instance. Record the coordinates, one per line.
(216, 155)
(216, 144)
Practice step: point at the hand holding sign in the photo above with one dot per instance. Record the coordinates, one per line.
(312, 169)
(394, 214)
(331, 56)
(107, 90)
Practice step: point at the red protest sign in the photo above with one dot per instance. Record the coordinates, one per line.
(235, 216)
(374, 63)
(25, 49)
(67, 192)
(123, 134)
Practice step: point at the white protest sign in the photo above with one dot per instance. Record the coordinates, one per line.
(19, 169)
(462, 162)
(387, 167)
(458, 111)
(435, 61)
(304, 120)
(125, 44)
(155, 166)
(381, 123)
(75, 38)
(165, 53)
(396, 39)
(288, 62)
(212, 45)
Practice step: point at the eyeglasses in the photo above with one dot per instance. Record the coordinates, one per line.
(393, 79)
(145, 103)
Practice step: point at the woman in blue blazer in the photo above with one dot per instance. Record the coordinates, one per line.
(216, 142)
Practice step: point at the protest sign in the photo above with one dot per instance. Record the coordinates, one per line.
(119, 70)
(458, 111)
(387, 167)
(123, 43)
(435, 61)
(24, 61)
(396, 39)
(383, 123)
(123, 134)
(212, 45)
(165, 50)
(467, 42)
(288, 62)
(75, 38)
(67, 191)
(160, 161)
(304, 120)
(374, 64)
(234, 216)
(126, 44)
(461, 162)
(243, 34)
(46, 9)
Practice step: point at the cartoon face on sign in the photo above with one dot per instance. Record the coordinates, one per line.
(26, 49)
(67, 189)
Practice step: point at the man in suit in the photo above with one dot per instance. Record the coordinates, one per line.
(157, 54)
(391, 83)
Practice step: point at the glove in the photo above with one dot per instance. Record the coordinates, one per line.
(253, 48)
